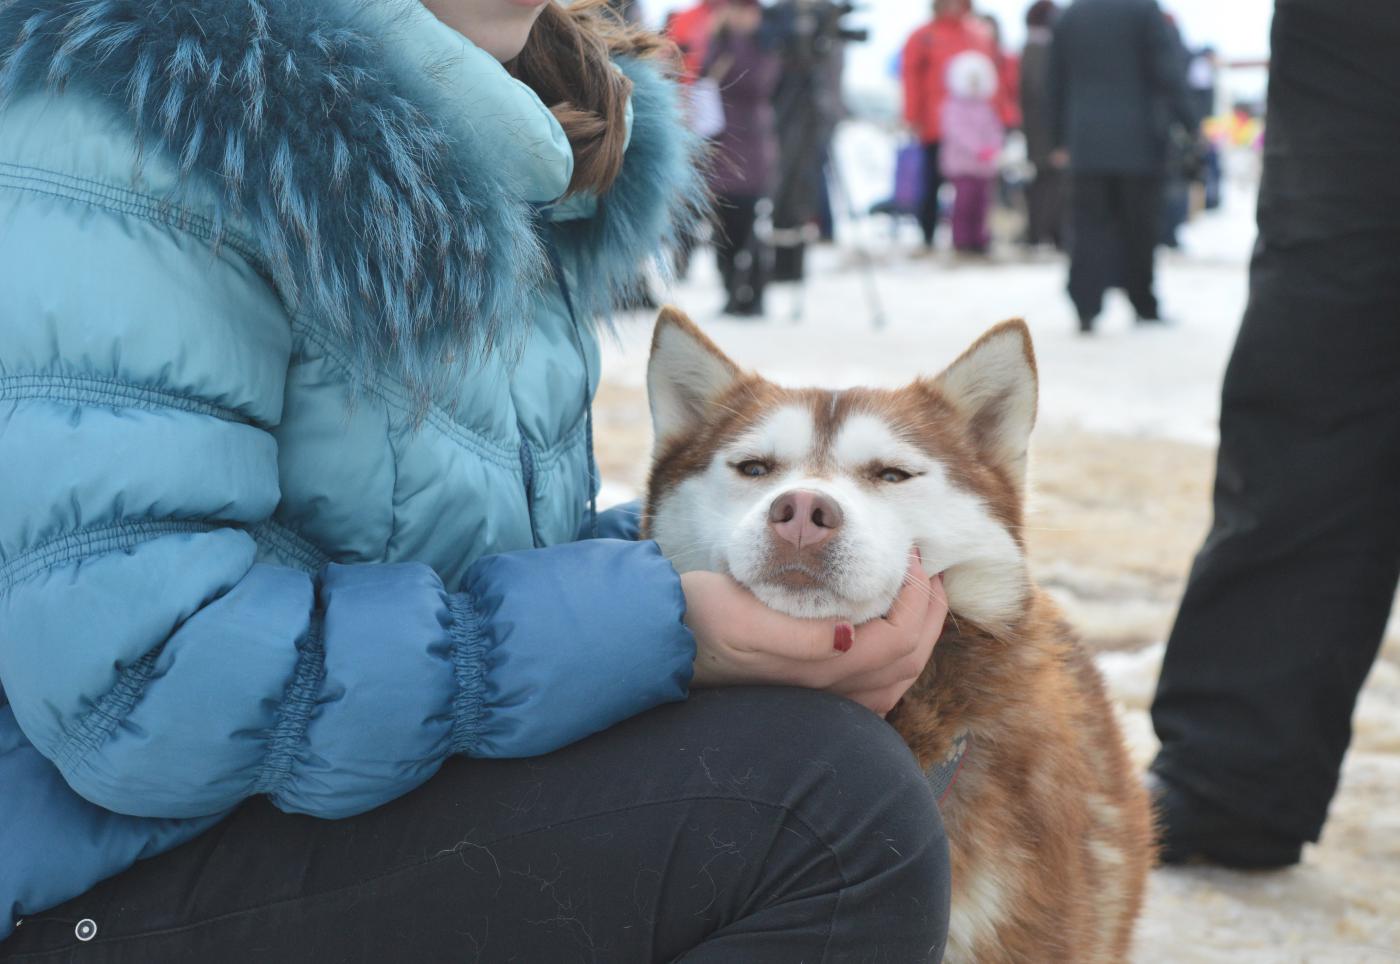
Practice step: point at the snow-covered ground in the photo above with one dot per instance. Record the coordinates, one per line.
(1121, 475)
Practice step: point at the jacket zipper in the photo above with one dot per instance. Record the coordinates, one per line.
(527, 471)
(556, 265)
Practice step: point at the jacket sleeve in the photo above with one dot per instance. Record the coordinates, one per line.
(913, 65)
(750, 68)
(1167, 61)
(143, 649)
(620, 522)
(1056, 94)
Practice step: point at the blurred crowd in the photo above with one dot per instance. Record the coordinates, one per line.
(764, 84)
(1099, 138)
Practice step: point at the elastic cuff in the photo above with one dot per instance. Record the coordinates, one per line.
(469, 668)
(298, 702)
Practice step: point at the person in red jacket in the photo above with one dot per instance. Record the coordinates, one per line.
(927, 53)
(690, 29)
(1008, 66)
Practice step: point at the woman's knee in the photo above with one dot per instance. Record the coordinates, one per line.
(828, 760)
(814, 739)
(845, 777)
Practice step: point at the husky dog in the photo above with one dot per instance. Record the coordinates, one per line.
(813, 500)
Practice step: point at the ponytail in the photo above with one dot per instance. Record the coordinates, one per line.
(568, 62)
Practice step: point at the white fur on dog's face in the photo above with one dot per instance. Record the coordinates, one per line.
(716, 517)
(718, 520)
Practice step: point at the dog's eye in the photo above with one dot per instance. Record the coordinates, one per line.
(893, 475)
(753, 468)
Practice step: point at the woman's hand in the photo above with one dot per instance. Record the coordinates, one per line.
(740, 641)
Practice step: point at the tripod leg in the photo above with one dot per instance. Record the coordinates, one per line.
(837, 183)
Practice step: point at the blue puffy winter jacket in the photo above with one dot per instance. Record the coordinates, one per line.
(295, 366)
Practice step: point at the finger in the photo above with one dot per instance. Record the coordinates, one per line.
(880, 662)
(904, 668)
(935, 617)
(756, 628)
(939, 598)
(753, 631)
(880, 644)
(932, 627)
(911, 603)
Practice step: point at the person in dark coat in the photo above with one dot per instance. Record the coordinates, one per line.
(1183, 152)
(1115, 87)
(1202, 77)
(742, 62)
(808, 106)
(1044, 198)
(1289, 596)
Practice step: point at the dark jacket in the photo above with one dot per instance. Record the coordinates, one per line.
(1035, 96)
(1116, 85)
(746, 150)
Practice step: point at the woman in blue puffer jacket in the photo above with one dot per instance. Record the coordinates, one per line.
(296, 521)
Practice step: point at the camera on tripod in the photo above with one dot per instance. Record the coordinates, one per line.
(820, 25)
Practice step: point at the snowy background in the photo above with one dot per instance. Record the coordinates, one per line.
(1121, 474)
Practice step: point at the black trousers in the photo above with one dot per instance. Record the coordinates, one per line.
(928, 204)
(1115, 221)
(1045, 206)
(742, 825)
(739, 255)
(1289, 596)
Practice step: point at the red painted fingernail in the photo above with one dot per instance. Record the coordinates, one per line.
(918, 555)
(845, 636)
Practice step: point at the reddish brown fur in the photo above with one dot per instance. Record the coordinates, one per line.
(1043, 740)
(1046, 762)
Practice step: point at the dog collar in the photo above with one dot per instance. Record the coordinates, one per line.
(942, 775)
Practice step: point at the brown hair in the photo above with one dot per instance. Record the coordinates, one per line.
(568, 62)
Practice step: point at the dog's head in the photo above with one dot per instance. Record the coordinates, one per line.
(813, 499)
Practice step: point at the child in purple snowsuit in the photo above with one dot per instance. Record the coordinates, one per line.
(972, 140)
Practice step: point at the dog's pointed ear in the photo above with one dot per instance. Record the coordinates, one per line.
(686, 373)
(994, 384)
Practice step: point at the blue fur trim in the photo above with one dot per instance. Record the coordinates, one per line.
(659, 196)
(406, 243)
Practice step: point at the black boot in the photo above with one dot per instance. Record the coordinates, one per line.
(1191, 828)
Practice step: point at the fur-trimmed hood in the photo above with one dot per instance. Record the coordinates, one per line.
(378, 209)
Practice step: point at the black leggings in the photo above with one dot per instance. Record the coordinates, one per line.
(737, 252)
(742, 825)
(929, 211)
(1116, 221)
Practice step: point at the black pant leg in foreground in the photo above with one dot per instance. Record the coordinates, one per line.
(743, 825)
(1289, 596)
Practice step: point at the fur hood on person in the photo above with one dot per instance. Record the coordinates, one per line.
(408, 236)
